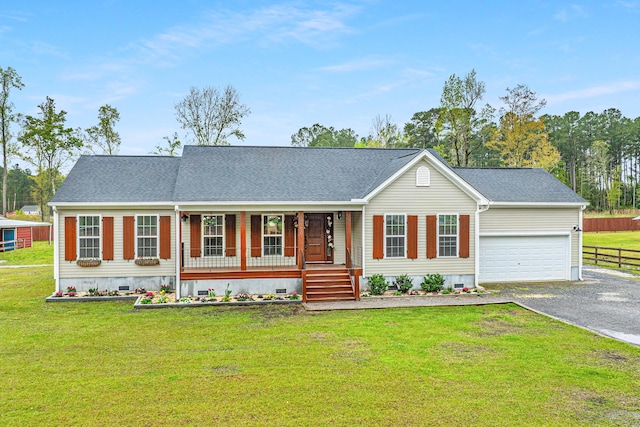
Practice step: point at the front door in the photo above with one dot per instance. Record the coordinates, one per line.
(315, 234)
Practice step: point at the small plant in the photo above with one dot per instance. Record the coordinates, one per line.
(268, 297)
(72, 293)
(71, 289)
(446, 292)
(114, 293)
(93, 291)
(59, 294)
(211, 293)
(432, 283)
(397, 293)
(140, 291)
(479, 291)
(163, 299)
(244, 297)
(183, 300)
(466, 290)
(227, 292)
(225, 298)
(413, 292)
(365, 295)
(146, 300)
(377, 284)
(149, 294)
(294, 295)
(403, 283)
(165, 288)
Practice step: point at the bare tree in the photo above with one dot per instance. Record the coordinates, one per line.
(212, 116)
(9, 79)
(384, 133)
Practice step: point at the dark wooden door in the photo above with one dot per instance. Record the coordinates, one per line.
(316, 245)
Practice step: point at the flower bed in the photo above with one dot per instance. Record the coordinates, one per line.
(93, 295)
(413, 292)
(166, 299)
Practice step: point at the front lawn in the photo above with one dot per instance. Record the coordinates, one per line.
(105, 364)
(39, 253)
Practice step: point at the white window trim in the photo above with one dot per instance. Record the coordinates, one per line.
(384, 225)
(202, 237)
(457, 255)
(135, 233)
(427, 179)
(262, 235)
(78, 238)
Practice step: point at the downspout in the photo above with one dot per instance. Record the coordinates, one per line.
(479, 210)
(178, 242)
(580, 223)
(362, 247)
(56, 250)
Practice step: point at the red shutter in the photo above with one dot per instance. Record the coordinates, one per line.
(378, 236)
(128, 237)
(107, 238)
(464, 236)
(230, 235)
(70, 238)
(195, 235)
(256, 235)
(432, 236)
(289, 236)
(412, 236)
(165, 237)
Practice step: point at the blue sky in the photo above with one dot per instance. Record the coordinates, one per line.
(296, 63)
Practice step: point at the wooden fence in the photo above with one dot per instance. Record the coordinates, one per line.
(609, 224)
(40, 233)
(622, 258)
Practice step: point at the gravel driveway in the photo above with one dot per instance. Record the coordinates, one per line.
(606, 301)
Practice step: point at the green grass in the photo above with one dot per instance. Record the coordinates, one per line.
(104, 364)
(39, 253)
(613, 239)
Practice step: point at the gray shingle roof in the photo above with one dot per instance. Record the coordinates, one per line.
(279, 174)
(109, 179)
(226, 173)
(524, 185)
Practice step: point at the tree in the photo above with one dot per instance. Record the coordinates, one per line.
(9, 79)
(322, 136)
(423, 130)
(458, 117)
(173, 146)
(521, 139)
(49, 145)
(103, 134)
(211, 116)
(384, 133)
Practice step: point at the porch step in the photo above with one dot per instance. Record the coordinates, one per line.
(328, 285)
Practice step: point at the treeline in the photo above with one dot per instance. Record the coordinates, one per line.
(596, 154)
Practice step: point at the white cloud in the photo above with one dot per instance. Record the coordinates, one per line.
(357, 65)
(574, 11)
(595, 91)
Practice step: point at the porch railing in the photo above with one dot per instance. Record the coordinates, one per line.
(355, 282)
(9, 245)
(262, 262)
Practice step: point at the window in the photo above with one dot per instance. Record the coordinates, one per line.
(213, 235)
(89, 236)
(272, 235)
(423, 177)
(448, 235)
(395, 236)
(147, 235)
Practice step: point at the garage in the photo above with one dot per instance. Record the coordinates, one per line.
(524, 258)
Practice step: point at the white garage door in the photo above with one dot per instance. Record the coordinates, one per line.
(524, 258)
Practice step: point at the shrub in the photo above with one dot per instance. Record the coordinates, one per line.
(377, 284)
(404, 283)
(432, 283)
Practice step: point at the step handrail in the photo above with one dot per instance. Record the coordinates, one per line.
(355, 285)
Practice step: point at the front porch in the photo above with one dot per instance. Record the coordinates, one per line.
(261, 253)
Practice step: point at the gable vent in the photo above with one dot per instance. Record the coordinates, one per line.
(423, 177)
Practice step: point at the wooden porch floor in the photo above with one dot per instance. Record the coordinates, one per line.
(253, 272)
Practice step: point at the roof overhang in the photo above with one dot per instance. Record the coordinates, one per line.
(440, 167)
(538, 204)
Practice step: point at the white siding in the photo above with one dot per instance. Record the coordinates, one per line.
(118, 267)
(403, 196)
(531, 219)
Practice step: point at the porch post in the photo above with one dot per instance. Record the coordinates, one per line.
(300, 238)
(347, 235)
(243, 240)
